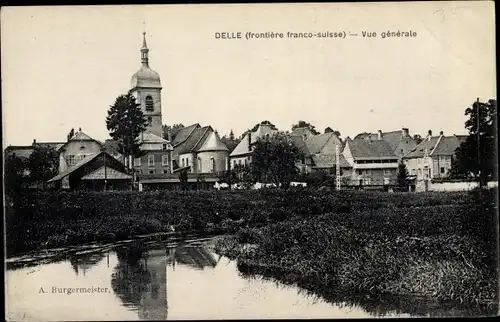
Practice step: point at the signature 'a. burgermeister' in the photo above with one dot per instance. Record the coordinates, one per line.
(75, 290)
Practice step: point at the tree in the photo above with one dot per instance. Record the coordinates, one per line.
(173, 130)
(274, 160)
(402, 177)
(183, 178)
(418, 138)
(125, 122)
(256, 126)
(15, 174)
(328, 130)
(477, 154)
(230, 141)
(311, 127)
(43, 164)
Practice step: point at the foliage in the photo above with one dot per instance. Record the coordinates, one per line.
(466, 159)
(172, 130)
(301, 123)
(183, 178)
(330, 130)
(402, 176)
(274, 160)
(125, 122)
(230, 141)
(418, 138)
(43, 163)
(256, 126)
(15, 174)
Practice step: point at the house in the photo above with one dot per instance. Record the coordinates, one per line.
(97, 171)
(242, 154)
(319, 150)
(199, 150)
(400, 141)
(373, 163)
(24, 152)
(77, 148)
(433, 157)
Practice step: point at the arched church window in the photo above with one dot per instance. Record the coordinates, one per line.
(149, 103)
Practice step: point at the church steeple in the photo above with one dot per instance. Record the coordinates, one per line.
(144, 51)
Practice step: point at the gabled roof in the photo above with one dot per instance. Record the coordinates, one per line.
(316, 142)
(362, 148)
(150, 138)
(106, 173)
(193, 141)
(301, 131)
(392, 137)
(299, 142)
(80, 136)
(419, 151)
(77, 166)
(24, 151)
(329, 160)
(243, 148)
(184, 134)
(437, 145)
(212, 143)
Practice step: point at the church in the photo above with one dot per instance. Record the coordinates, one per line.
(197, 150)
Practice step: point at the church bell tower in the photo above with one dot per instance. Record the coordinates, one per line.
(146, 88)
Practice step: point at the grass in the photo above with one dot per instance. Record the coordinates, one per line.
(439, 245)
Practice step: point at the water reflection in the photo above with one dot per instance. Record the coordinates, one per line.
(82, 263)
(160, 281)
(377, 306)
(139, 280)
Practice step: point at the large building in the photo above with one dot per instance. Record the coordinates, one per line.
(400, 141)
(432, 158)
(145, 86)
(373, 163)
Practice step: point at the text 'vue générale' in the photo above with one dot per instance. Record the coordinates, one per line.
(309, 35)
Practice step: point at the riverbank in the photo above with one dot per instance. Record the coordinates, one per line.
(439, 250)
(428, 244)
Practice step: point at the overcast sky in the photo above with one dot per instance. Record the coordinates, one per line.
(63, 67)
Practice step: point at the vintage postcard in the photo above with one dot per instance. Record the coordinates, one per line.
(250, 161)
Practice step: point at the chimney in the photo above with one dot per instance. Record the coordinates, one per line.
(441, 133)
(79, 129)
(169, 136)
(429, 134)
(34, 141)
(379, 135)
(405, 132)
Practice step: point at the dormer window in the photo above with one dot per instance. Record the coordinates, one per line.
(149, 103)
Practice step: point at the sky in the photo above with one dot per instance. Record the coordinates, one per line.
(63, 67)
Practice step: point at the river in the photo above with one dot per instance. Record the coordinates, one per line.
(159, 280)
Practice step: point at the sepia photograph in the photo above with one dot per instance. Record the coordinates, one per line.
(250, 161)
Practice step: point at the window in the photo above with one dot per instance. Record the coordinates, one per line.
(183, 163)
(402, 152)
(165, 171)
(151, 160)
(187, 162)
(442, 170)
(368, 172)
(150, 120)
(246, 162)
(387, 172)
(443, 159)
(367, 181)
(164, 146)
(137, 162)
(150, 106)
(412, 172)
(164, 160)
(70, 160)
(213, 165)
(239, 161)
(152, 171)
